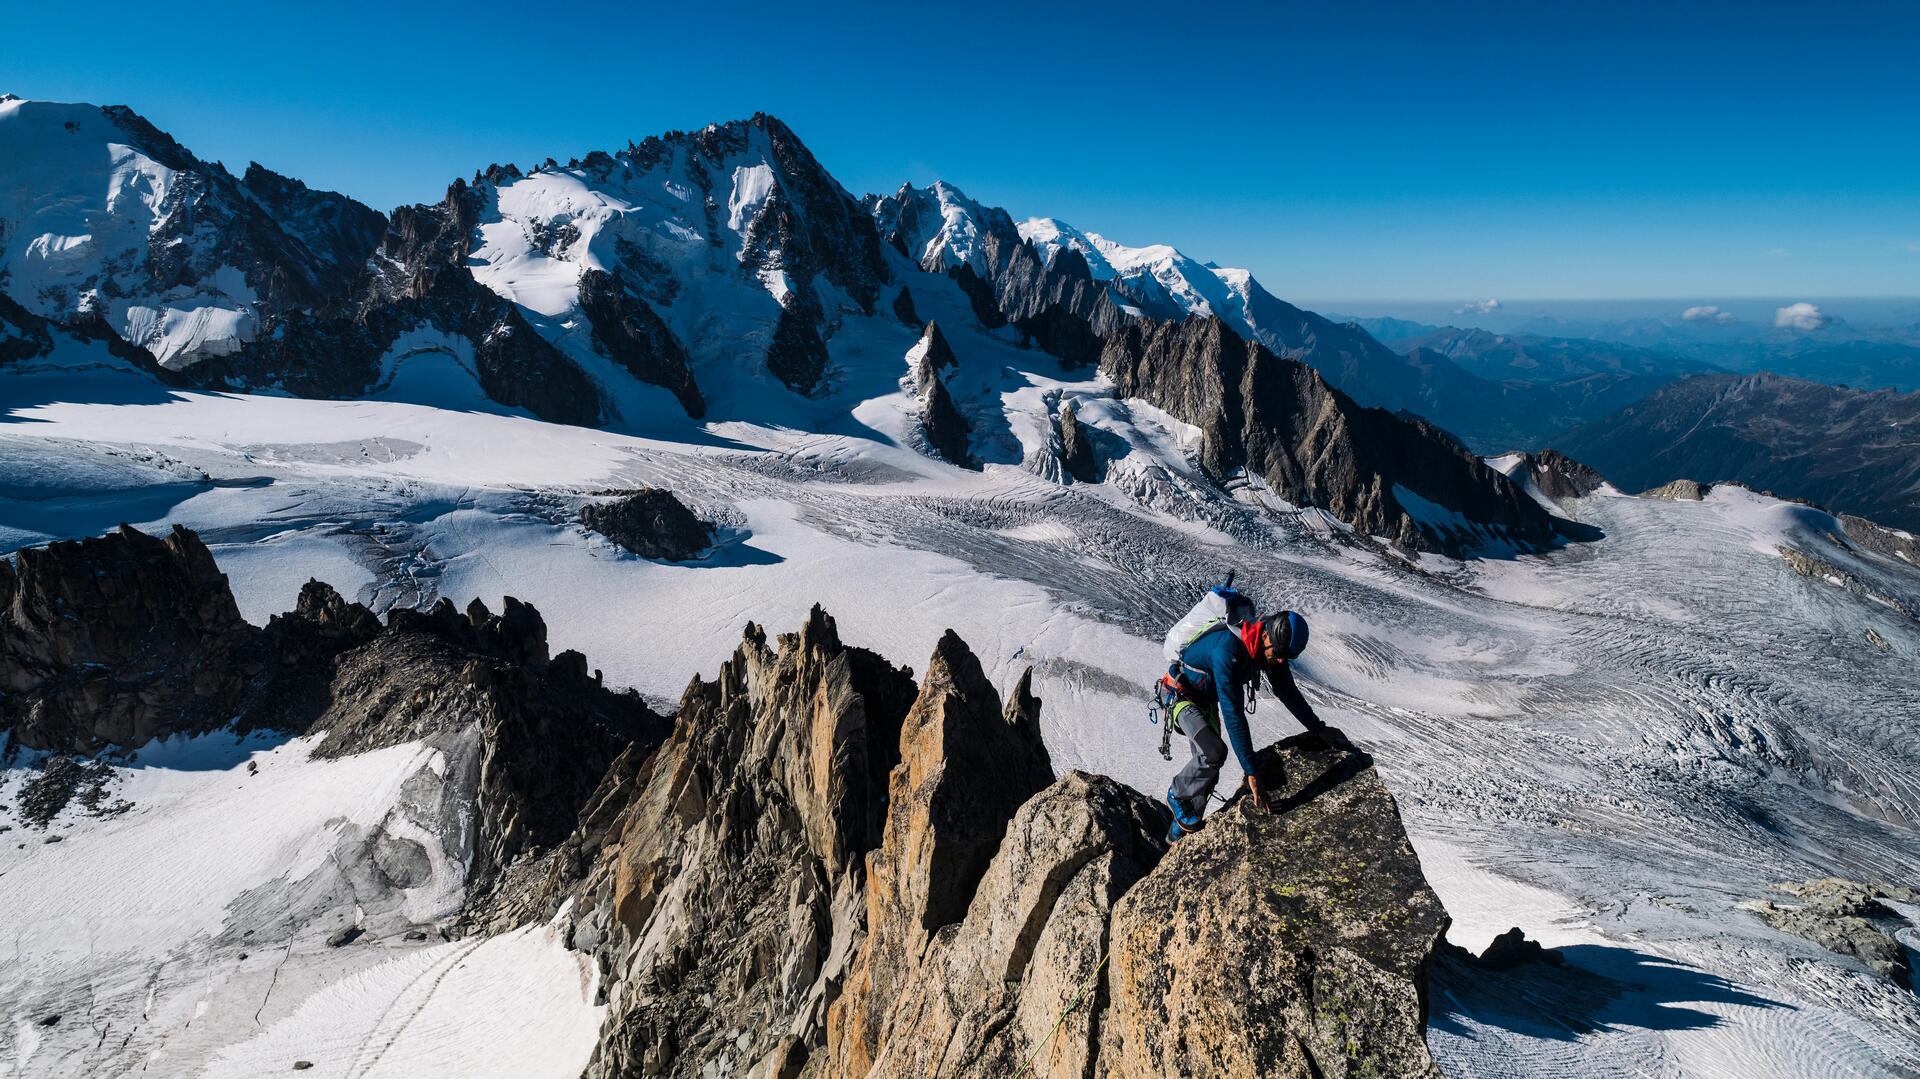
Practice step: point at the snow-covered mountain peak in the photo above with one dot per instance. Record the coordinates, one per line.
(1157, 279)
(711, 246)
(103, 213)
(938, 226)
(671, 207)
(84, 204)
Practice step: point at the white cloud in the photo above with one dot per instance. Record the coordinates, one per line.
(1914, 248)
(1483, 307)
(1707, 313)
(1778, 252)
(1800, 316)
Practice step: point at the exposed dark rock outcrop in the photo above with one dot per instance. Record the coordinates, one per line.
(651, 523)
(417, 277)
(119, 639)
(114, 641)
(1846, 917)
(1076, 446)
(1512, 948)
(1679, 491)
(798, 354)
(1559, 477)
(1314, 446)
(1058, 332)
(1896, 544)
(62, 780)
(338, 229)
(947, 430)
(936, 355)
(903, 308)
(1819, 569)
(1555, 477)
(634, 335)
(538, 733)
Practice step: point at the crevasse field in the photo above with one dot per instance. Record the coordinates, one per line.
(1612, 746)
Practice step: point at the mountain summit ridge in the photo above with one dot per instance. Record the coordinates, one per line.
(717, 273)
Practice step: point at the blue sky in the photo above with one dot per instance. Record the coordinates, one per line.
(1421, 151)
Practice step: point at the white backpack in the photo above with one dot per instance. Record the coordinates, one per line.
(1221, 605)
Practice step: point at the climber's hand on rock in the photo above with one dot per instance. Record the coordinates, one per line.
(1334, 738)
(1257, 796)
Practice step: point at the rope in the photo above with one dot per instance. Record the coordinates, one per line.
(1064, 1012)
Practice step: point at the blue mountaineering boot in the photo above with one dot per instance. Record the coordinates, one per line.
(1184, 819)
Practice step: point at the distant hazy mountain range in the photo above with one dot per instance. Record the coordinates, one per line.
(1676, 415)
(1850, 450)
(1802, 339)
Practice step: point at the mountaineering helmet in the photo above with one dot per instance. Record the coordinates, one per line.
(1276, 637)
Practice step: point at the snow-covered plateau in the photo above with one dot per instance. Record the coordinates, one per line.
(1619, 743)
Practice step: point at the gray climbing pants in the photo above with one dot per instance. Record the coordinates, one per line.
(1196, 781)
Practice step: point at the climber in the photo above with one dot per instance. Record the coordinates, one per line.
(1204, 687)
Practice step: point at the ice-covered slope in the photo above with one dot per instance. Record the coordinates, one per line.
(190, 930)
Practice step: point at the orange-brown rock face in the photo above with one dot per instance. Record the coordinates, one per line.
(728, 898)
(965, 769)
(827, 872)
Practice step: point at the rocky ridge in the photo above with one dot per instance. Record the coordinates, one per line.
(1279, 420)
(1007, 280)
(1077, 454)
(825, 869)
(1555, 478)
(1269, 413)
(108, 643)
(1561, 478)
(118, 639)
(830, 871)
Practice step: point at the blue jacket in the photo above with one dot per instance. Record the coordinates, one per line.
(1217, 666)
